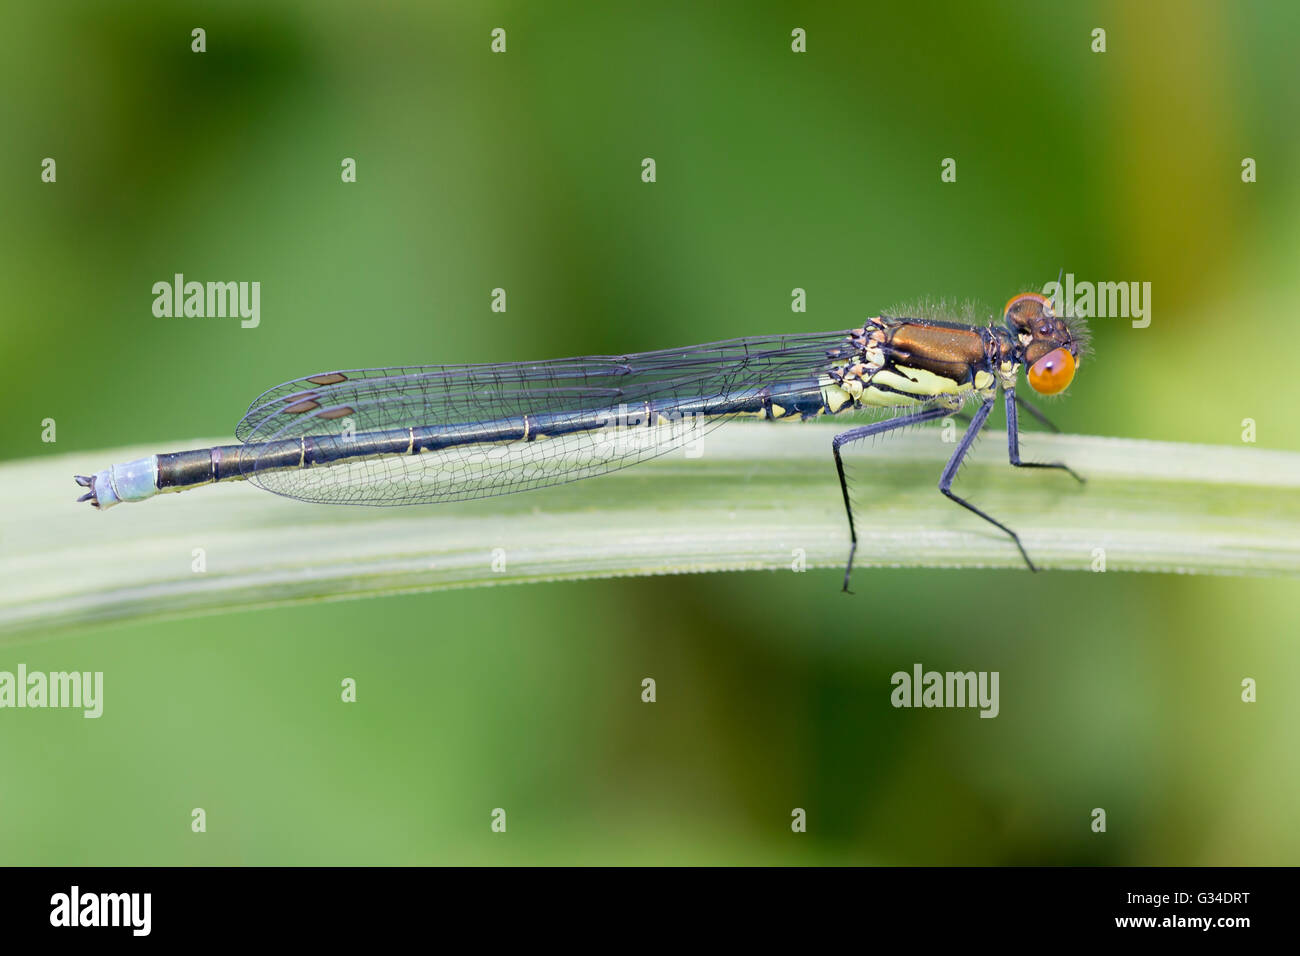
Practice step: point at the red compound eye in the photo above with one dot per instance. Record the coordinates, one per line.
(1052, 373)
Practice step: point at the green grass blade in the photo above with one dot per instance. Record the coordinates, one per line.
(761, 497)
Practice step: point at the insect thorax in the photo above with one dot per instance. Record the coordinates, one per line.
(894, 361)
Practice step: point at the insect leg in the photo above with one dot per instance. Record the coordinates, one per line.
(954, 463)
(1043, 419)
(1013, 440)
(866, 431)
(1023, 405)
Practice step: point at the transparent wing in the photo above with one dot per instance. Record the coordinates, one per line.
(481, 411)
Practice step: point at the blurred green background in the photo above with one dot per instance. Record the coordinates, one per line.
(775, 170)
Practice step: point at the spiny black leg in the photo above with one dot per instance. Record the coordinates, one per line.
(1013, 441)
(866, 431)
(950, 472)
(1043, 419)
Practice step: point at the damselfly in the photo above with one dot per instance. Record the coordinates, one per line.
(397, 436)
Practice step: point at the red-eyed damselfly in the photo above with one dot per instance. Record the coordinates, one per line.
(397, 436)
